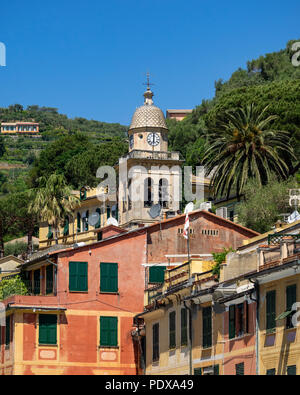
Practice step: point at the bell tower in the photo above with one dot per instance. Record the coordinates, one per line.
(150, 165)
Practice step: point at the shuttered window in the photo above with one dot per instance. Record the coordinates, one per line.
(240, 369)
(198, 372)
(78, 276)
(66, 227)
(37, 282)
(108, 331)
(271, 372)
(231, 322)
(270, 311)
(157, 274)
(78, 223)
(155, 342)
(292, 370)
(206, 327)
(49, 279)
(109, 277)
(7, 330)
(172, 330)
(47, 329)
(184, 327)
(291, 298)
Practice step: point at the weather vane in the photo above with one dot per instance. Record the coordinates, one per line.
(148, 82)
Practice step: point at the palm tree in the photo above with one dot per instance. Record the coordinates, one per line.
(244, 146)
(54, 202)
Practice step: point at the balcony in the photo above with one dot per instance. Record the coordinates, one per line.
(152, 155)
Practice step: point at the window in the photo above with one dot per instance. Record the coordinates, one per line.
(207, 327)
(109, 277)
(36, 282)
(66, 227)
(50, 232)
(78, 276)
(148, 196)
(240, 319)
(291, 370)
(107, 212)
(108, 331)
(82, 194)
(47, 329)
(7, 330)
(155, 342)
(291, 298)
(98, 224)
(271, 372)
(78, 223)
(99, 236)
(49, 279)
(184, 327)
(172, 330)
(270, 311)
(232, 322)
(157, 274)
(198, 372)
(163, 196)
(240, 369)
(86, 221)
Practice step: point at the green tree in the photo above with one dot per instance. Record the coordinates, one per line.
(262, 205)
(2, 147)
(54, 202)
(245, 146)
(12, 286)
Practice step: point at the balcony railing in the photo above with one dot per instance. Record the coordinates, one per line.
(158, 155)
(26, 287)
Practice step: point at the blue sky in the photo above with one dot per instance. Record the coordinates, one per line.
(90, 58)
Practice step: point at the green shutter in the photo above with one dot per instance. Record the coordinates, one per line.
(155, 342)
(78, 276)
(232, 322)
(50, 233)
(107, 213)
(7, 330)
(207, 327)
(291, 298)
(216, 370)
(198, 372)
(240, 369)
(66, 227)
(78, 223)
(157, 274)
(47, 329)
(109, 277)
(271, 372)
(108, 331)
(37, 282)
(172, 330)
(183, 327)
(292, 370)
(271, 311)
(49, 279)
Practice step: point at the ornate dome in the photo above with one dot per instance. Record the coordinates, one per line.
(148, 115)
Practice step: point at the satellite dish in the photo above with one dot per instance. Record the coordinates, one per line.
(94, 219)
(154, 211)
(112, 221)
(189, 208)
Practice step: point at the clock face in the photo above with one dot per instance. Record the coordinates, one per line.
(153, 139)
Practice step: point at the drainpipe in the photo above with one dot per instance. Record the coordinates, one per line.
(256, 287)
(190, 339)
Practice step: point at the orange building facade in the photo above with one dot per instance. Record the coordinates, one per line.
(79, 316)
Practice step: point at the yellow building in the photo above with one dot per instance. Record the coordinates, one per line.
(86, 223)
(168, 347)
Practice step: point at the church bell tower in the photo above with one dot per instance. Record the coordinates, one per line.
(155, 170)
